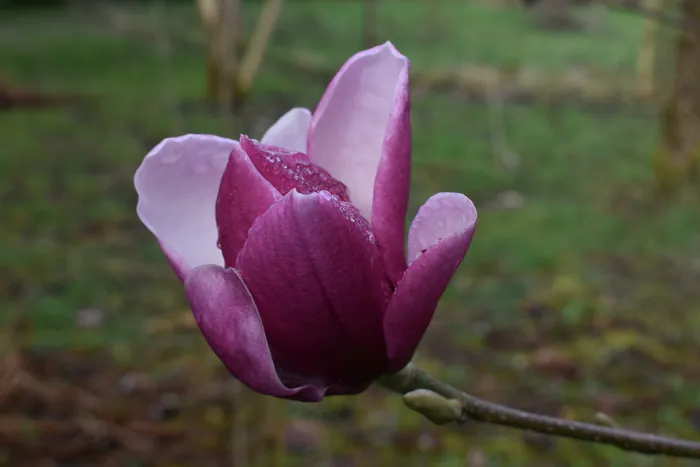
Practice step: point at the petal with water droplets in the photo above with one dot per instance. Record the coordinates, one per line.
(287, 170)
(244, 194)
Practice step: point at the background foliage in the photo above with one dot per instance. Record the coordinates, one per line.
(579, 294)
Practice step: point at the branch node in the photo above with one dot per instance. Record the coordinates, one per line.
(442, 403)
(606, 420)
(436, 408)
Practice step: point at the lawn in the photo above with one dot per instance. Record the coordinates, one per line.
(579, 294)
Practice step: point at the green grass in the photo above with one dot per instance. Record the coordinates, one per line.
(611, 269)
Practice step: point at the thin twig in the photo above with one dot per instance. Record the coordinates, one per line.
(257, 48)
(226, 33)
(411, 379)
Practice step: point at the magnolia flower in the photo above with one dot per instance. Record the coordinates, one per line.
(292, 249)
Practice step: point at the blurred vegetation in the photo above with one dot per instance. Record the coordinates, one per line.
(579, 294)
(58, 4)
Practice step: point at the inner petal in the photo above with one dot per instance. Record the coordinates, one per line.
(287, 170)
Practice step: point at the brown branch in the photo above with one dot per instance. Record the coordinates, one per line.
(253, 58)
(13, 96)
(226, 34)
(436, 400)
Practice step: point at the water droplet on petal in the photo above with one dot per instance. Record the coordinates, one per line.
(286, 170)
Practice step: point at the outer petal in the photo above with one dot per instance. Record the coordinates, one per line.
(229, 320)
(393, 183)
(177, 185)
(352, 121)
(443, 214)
(290, 131)
(312, 266)
(439, 238)
(244, 194)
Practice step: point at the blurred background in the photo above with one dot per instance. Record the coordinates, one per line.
(572, 125)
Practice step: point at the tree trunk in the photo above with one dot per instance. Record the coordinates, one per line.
(230, 17)
(555, 14)
(257, 48)
(208, 16)
(678, 156)
(647, 52)
(221, 20)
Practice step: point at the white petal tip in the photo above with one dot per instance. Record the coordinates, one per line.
(442, 215)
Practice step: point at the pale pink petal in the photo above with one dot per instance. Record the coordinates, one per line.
(314, 270)
(290, 131)
(244, 194)
(439, 238)
(229, 321)
(392, 185)
(177, 185)
(349, 127)
(443, 214)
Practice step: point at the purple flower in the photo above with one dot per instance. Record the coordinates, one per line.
(292, 249)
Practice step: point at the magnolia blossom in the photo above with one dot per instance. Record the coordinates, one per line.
(292, 249)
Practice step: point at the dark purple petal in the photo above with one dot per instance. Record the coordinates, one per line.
(439, 238)
(312, 265)
(287, 170)
(229, 320)
(243, 196)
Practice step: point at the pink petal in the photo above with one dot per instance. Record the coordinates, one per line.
(290, 131)
(177, 185)
(353, 120)
(439, 238)
(392, 185)
(229, 320)
(286, 170)
(244, 195)
(443, 214)
(314, 270)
